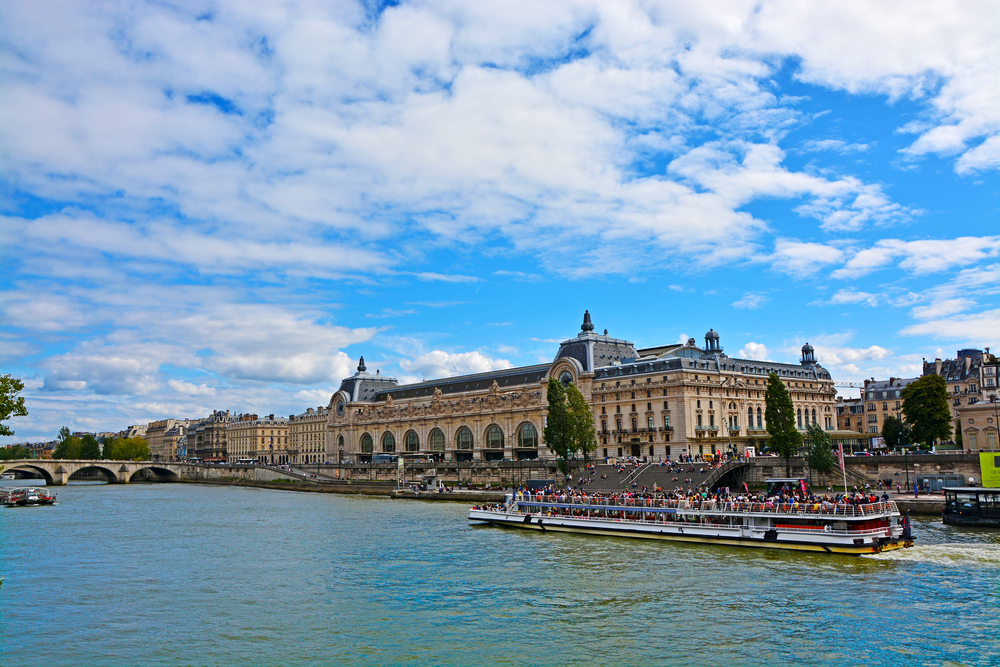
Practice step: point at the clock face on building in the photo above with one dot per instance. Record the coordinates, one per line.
(340, 408)
(566, 378)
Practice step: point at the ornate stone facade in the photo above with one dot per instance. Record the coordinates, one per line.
(307, 437)
(670, 400)
(252, 438)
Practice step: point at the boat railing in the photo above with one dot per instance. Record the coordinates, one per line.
(728, 507)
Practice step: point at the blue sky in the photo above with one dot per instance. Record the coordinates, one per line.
(215, 205)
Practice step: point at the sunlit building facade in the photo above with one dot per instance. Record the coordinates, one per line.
(667, 401)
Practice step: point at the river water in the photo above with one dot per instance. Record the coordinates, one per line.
(185, 574)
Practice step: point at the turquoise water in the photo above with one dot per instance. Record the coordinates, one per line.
(204, 575)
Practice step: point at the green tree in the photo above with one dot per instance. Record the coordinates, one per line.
(126, 449)
(895, 433)
(11, 405)
(925, 409)
(582, 419)
(820, 454)
(558, 433)
(68, 448)
(14, 452)
(89, 449)
(64, 433)
(784, 439)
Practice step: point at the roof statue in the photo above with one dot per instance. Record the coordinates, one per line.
(587, 324)
(361, 365)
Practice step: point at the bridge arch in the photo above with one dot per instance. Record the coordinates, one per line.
(35, 469)
(161, 473)
(109, 474)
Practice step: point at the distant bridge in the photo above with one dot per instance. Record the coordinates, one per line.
(58, 471)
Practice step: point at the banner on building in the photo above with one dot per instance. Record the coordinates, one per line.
(989, 468)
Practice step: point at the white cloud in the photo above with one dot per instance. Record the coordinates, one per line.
(801, 259)
(750, 301)
(942, 308)
(440, 364)
(984, 156)
(921, 257)
(191, 389)
(979, 329)
(836, 145)
(853, 296)
(756, 351)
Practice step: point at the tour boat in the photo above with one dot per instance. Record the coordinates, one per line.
(26, 496)
(806, 526)
(971, 506)
(8, 475)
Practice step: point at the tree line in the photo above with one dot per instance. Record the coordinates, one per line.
(926, 419)
(87, 448)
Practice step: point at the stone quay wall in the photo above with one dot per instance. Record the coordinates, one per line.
(862, 469)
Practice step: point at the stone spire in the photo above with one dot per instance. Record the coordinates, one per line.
(361, 365)
(587, 324)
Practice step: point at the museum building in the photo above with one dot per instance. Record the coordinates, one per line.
(659, 402)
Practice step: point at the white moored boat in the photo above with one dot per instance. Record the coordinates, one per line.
(845, 528)
(26, 496)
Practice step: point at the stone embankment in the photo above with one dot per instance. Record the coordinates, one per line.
(354, 488)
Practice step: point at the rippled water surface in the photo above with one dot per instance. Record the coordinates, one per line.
(205, 575)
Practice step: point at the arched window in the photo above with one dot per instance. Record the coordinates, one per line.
(388, 443)
(814, 415)
(340, 441)
(463, 439)
(760, 423)
(412, 441)
(800, 417)
(527, 436)
(494, 437)
(437, 440)
(367, 445)
(749, 417)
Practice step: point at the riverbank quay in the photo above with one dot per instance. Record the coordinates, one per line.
(371, 489)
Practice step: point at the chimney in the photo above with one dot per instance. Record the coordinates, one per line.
(937, 366)
(968, 364)
(891, 380)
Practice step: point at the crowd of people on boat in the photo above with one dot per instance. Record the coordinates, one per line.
(784, 500)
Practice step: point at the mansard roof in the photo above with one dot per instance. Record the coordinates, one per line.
(710, 362)
(510, 377)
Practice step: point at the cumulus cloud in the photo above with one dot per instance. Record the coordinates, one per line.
(750, 301)
(977, 329)
(920, 257)
(756, 351)
(854, 296)
(438, 364)
(801, 259)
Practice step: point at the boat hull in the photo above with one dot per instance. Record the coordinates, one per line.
(729, 536)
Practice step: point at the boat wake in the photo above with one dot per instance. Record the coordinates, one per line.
(945, 554)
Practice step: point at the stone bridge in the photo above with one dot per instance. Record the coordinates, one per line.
(58, 471)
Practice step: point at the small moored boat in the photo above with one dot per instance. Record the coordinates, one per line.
(854, 527)
(26, 496)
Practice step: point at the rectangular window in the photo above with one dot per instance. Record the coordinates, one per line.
(666, 421)
(649, 421)
(872, 419)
